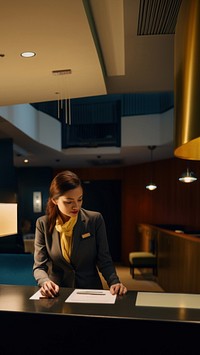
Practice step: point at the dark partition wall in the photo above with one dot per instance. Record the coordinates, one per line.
(105, 196)
(8, 187)
(29, 181)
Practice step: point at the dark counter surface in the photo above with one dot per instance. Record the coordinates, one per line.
(17, 299)
(52, 326)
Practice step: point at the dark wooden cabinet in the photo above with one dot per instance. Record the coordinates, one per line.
(178, 258)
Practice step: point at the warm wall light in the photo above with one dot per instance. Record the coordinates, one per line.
(8, 219)
(37, 202)
(188, 177)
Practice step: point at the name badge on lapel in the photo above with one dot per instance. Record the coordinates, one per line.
(86, 235)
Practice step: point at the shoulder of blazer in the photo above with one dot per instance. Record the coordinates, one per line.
(88, 214)
(41, 221)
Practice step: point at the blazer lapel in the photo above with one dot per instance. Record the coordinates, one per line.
(56, 243)
(79, 230)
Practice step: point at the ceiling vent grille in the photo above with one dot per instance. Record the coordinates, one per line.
(158, 17)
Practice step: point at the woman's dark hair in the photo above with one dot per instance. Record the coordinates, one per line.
(61, 183)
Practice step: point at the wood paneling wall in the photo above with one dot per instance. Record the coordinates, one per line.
(173, 202)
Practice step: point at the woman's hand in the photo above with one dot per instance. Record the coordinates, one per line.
(118, 289)
(49, 289)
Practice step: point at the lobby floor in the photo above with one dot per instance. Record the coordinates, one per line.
(143, 281)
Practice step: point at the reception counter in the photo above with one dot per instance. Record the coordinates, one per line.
(53, 326)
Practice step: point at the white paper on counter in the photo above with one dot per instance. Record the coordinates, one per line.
(91, 296)
(36, 296)
(177, 300)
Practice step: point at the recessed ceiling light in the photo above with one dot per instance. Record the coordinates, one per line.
(28, 54)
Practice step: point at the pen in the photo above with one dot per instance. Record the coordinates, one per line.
(97, 293)
(47, 297)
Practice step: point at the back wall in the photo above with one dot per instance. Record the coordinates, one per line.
(173, 202)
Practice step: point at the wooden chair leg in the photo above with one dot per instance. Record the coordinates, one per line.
(133, 274)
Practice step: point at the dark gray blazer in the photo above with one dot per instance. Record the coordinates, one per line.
(90, 253)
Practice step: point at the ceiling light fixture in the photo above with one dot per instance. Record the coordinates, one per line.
(28, 54)
(151, 186)
(188, 176)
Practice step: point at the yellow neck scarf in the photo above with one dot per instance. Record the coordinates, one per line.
(66, 231)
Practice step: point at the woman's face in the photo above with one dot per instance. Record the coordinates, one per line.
(70, 203)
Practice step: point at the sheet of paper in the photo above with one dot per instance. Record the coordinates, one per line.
(178, 300)
(36, 296)
(91, 296)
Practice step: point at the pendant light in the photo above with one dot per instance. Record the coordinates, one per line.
(151, 186)
(188, 176)
(64, 103)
